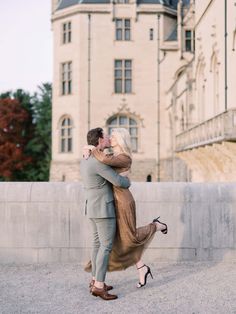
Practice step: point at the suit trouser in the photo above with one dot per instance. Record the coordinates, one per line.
(103, 234)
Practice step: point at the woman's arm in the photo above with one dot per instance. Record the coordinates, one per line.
(119, 161)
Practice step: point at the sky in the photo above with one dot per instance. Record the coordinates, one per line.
(25, 44)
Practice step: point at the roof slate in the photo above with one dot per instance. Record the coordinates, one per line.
(68, 3)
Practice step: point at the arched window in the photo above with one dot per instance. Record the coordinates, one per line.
(66, 135)
(123, 121)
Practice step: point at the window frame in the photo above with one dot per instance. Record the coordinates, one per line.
(120, 30)
(126, 76)
(151, 34)
(189, 41)
(66, 32)
(128, 125)
(66, 78)
(66, 135)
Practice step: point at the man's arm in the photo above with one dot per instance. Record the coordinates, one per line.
(112, 176)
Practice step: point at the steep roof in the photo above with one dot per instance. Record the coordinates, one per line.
(169, 3)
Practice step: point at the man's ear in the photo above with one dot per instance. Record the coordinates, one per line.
(100, 142)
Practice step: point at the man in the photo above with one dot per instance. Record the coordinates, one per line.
(98, 179)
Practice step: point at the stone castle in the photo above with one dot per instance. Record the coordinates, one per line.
(162, 69)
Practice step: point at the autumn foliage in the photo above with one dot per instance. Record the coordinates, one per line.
(15, 123)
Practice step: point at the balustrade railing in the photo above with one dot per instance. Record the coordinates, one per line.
(221, 127)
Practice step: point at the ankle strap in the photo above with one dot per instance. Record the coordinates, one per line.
(141, 266)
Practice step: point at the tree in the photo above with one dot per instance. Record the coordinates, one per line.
(39, 147)
(25, 135)
(15, 124)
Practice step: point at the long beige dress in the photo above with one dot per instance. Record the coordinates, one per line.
(130, 242)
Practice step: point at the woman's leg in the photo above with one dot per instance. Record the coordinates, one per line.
(142, 270)
(160, 226)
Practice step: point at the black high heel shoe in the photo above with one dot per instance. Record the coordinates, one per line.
(164, 230)
(140, 285)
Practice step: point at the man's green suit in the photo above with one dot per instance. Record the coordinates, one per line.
(98, 179)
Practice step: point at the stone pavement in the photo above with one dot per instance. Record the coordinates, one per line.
(190, 287)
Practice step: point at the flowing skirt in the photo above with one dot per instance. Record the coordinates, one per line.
(130, 242)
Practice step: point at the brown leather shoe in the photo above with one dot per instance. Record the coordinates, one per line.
(103, 294)
(91, 284)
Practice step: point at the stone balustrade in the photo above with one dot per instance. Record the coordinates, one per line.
(220, 128)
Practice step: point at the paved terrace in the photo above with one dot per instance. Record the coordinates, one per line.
(186, 288)
(44, 238)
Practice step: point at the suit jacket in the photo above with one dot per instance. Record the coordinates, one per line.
(98, 179)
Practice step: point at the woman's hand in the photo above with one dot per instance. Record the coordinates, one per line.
(87, 149)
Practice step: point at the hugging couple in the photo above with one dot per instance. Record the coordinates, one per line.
(110, 207)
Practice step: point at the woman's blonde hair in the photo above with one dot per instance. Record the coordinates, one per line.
(123, 139)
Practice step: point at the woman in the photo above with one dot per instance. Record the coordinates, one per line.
(130, 242)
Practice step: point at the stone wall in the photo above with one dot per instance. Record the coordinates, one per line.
(44, 222)
(69, 171)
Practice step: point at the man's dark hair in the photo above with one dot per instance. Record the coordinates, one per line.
(94, 135)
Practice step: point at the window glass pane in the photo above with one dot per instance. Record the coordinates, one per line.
(64, 38)
(127, 23)
(188, 34)
(68, 121)
(133, 131)
(127, 34)
(128, 86)
(62, 132)
(128, 63)
(113, 121)
(119, 23)
(123, 120)
(118, 34)
(118, 86)
(132, 122)
(69, 87)
(64, 26)
(127, 73)
(118, 73)
(188, 45)
(134, 144)
(69, 25)
(118, 63)
(69, 144)
(63, 145)
(63, 88)
(69, 37)
(110, 130)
